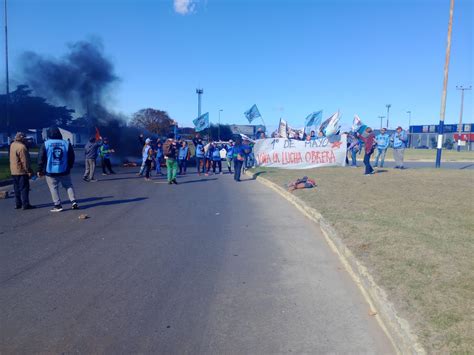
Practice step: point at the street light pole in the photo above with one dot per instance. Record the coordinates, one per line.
(462, 88)
(381, 121)
(199, 92)
(409, 129)
(7, 78)
(445, 87)
(388, 112)
(219, 127)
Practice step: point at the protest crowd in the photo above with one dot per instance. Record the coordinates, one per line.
(56, 156)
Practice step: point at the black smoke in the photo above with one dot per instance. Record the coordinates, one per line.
(81, 79)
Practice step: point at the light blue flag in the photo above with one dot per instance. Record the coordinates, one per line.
(202, 122)
(314, 119)
(252, 114)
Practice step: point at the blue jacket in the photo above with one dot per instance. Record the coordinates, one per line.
(183, 153)
(399, 140)
(230, 152)
(199, 151)
(216, 154)
(383, 141)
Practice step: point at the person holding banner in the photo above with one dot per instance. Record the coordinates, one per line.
(369, 149)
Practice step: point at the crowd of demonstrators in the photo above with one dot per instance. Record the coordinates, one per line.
(55, 161)
(21, 171)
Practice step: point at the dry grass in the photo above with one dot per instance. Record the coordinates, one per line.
(430, 155)
(414, 230)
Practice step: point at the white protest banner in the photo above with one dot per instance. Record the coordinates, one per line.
(294, 154)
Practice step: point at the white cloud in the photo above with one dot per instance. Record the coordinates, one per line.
(184, 7)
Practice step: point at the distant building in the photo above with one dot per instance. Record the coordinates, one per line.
(248, 130)
(426, 136)
(78, 136)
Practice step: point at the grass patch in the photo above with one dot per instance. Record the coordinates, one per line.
(5, 167)
(430, 155)
(413, 229)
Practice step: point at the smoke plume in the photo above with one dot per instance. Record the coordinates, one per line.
(80, 79)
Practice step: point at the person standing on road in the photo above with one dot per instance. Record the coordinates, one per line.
(199, 155)
(104, 152)
(354, 148)
(20, 169)
(229, 155)
(369, 149)
(90, 152)
(183, 157)
(216, 159)
(55, 160)
(148, 156)
(208, 157)
(399, 140)
(239, 158)
(383, 141)
(159, 156)
(170, 152)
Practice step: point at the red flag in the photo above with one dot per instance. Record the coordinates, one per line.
(97, 134)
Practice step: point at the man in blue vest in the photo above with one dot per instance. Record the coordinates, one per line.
(383, 141)
(399, 140)
(55, 160)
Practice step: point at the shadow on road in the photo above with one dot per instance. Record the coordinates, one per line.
(193, 181)
(67, 202)
(122, 178)
(114, 202)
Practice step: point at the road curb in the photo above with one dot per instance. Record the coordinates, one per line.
(396, 328)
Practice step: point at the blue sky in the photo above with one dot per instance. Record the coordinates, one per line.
(288, 57)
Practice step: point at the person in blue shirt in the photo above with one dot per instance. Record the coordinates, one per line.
(104, 153)
(208, 157)
(383, 141)
(399, 140)
(183, 157)
(55, 160)
(229, 155)
(199, 155)
(239, 158)
(216, 158)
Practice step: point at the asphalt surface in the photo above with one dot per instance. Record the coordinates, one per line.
(209, 266)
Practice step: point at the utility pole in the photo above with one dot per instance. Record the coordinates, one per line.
(445, 87)
(7, 78)
(409, 129)
(219, 127)
(388, 113)
(381, 121)
(462, 88)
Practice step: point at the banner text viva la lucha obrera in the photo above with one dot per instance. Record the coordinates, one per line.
(294, 154)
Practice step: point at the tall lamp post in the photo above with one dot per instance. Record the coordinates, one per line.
(199, 92)
(409, 129)
(388, 112)
(462, 88)
(381, 121)
(219, 127)
(445, 87)
(7, 78)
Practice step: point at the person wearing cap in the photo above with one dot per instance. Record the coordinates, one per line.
(383, 141)
(55, 160)
(170, 152)
(90, 152)
(104, 153)
(399, 140)
(20, 169)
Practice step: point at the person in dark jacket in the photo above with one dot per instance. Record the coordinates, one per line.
(370, 144)
(20, 168)
(239, 157)
(170, 152)
(91, 152)
(55, 160)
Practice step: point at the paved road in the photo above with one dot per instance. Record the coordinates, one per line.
(205, 267)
